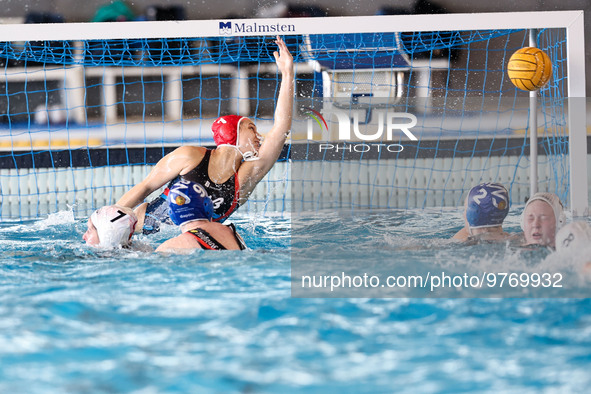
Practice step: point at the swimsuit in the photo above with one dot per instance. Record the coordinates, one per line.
(224, 196)
(210, 243)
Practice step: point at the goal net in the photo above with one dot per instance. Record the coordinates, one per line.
(404, 111)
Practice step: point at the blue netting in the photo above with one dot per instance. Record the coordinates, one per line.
(66, 102)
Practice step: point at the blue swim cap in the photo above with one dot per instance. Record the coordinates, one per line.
(488, 205)
(188, 201)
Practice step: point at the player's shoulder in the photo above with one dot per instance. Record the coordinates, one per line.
(462, 235)
(184, 241)
(189, 150)
(186, 156)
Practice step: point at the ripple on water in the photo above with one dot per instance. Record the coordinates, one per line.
(131, 320)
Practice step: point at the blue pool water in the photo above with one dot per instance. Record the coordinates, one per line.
(80, 321)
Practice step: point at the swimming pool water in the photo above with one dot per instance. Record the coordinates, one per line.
(76, 320)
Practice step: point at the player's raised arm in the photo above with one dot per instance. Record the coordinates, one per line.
(167, 168)
(274, 140)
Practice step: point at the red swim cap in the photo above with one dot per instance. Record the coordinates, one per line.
(225, 129)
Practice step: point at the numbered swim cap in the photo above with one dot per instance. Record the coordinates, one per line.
(114, 225)
(188, 201)
(488, 205)
(574, 235)
(226, 130)
(551, 199)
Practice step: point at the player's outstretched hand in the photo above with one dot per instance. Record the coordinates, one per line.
(283, 58)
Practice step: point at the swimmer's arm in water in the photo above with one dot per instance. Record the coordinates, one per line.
(253, 171)
(517, 237)
(170, 166)
(465, 236)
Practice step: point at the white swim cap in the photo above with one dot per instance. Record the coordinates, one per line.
(552, 200)
(114, 224)
(574, 235)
